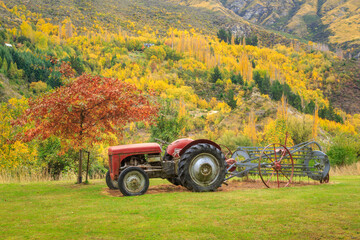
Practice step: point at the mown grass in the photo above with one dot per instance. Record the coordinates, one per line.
(63, 210)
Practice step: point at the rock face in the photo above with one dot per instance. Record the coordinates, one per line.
(261, 12)
(325, 21)
(240, 29)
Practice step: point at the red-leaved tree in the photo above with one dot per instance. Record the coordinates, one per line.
(81, 112)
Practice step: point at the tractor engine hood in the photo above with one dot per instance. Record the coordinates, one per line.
(140, 148)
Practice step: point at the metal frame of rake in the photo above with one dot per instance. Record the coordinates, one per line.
(277, 164)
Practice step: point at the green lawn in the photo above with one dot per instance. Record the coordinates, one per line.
(63, 210)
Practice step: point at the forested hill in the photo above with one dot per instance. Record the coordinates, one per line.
(128, 14)
(66, 18)
(213, 74)
(332, 22)
(139, 15)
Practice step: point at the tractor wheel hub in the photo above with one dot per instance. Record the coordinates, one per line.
(133, 182)
(205, 169)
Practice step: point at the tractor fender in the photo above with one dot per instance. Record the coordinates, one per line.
(197, 142)
(175, 147)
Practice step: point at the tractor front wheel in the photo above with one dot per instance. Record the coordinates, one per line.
(111, 183)
(133, 181)
(202, 168)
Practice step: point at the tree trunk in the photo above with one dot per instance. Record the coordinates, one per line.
(87, 166)
(80, 167)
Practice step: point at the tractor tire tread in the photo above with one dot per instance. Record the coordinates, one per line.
(121, 181)
(186, 159)
(109, 181)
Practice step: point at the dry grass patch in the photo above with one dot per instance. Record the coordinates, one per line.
(352, 169)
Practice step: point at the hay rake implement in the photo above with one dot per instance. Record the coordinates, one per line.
(277, 164)
(202, 165)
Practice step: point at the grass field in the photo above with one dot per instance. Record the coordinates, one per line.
(63, 210)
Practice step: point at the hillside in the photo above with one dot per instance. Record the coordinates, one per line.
(346, 95)
(246, 89)
(329, 21)
(136, 16)
(131, 15)
(7, 90)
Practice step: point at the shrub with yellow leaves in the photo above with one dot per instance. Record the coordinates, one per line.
(14, 153)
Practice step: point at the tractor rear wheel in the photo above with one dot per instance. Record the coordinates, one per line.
(111, 183)
(133, 181)
(202, 168)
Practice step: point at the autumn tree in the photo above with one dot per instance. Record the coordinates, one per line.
(250, 128)
(13, 153)
(276, 131)
(315, 123)
(82, 112)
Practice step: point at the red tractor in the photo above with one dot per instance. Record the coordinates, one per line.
(198, 165)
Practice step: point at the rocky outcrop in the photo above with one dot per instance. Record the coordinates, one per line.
(261, 12)
(240, 29)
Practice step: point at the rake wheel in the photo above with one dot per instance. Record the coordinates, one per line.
(276, 166)
(325, 179)
(317, 165)
(228, 153)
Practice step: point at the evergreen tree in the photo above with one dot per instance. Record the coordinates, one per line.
(222, 35)
(295, 101)
(216, 74)
(276, 90)
(6, 54)
(265, 86)
(254, 40)
(310, 108)
(237, 40)
(257, 77)
(330, 114)
(286, 89)
(4, 67)
(237, 79)
(2, 36)
(230, 99)
(262, 82)
(13, 71)
(77, 64)
(251, 40)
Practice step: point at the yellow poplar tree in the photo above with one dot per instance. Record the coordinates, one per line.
(250, 128)
(275, 130)
(315, 122)
(13, 154)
